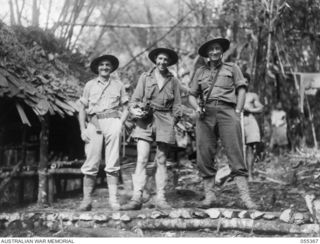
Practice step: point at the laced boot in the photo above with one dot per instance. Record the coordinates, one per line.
(161, 202)
(112, 181)
(210, 197)
(136, 201)
(243, 187)
(88, 186)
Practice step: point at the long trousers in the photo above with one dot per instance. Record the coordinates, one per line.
(220, 121)
(111, 133)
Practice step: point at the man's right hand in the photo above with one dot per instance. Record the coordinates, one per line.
(84, 136)
(137, 112)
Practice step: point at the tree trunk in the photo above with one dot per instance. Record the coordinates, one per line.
(265, 226)
(43, 162)
(315, 142)
(91, 7)
(35, 14)
(12, 18)
(18, 13)
(152, 35)
(270, 29)
(100, 232)
(76, 12)
(62, 17)
(48, 14)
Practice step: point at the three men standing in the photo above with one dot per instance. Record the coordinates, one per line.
(156, 105)
(101, 118)
(223, 88)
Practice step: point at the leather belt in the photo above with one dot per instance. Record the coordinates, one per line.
(161, 109)
(108, 115)
(217, 102)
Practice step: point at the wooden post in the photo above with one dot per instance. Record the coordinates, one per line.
(23, 153)
(244, 148)
(2, 146)
(43, 162)
(312, 124)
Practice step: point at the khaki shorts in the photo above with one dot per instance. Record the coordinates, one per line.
(159, 128)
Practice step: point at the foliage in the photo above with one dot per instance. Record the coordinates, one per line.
(32, 71)
(270, 39)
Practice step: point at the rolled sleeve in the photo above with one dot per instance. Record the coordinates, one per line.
(84, 99)
(124, 95)
(177, 109)
(239, 79)
(194, 84)
(138, 93)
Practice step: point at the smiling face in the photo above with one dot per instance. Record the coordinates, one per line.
(162, 61)
(215, 52)
(105, 68)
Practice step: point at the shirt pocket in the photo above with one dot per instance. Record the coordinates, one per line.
(94, 97)
(168, 95)
(225, 79)
(204, 81)
(112, 99)
(149, 90)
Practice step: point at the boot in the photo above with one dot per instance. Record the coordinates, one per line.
(210, 197)
(243, 187)
(161, 180)
(136, 201)
(112, 181)
(88, 186)
(161, 202)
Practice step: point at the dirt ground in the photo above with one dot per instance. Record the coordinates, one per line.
(279, 183)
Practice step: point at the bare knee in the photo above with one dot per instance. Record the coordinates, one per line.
(142, 160)
(161, 158)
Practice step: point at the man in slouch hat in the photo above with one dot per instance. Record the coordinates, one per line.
(102, 114)
(156, 105)
(222, 87)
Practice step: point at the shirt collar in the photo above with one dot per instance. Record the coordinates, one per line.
(103, 82)
(217, 66)
(149, 73)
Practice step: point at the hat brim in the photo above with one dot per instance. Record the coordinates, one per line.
(95, 63)
(173, 56)
(225, 44)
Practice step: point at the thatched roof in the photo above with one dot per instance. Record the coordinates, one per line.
(33, 74)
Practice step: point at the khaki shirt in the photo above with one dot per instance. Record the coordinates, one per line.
(166, 98)
(99, 97)
(229, 79)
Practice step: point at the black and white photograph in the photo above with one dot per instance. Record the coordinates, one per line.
(170, 119)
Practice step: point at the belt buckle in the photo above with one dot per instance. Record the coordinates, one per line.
(216, 102)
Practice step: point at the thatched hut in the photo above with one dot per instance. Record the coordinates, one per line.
(38, 122)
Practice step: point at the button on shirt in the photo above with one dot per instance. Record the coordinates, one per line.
(229, 79)
(102, 96)
(166, 98)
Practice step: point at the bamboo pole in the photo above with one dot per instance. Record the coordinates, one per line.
(138, 26)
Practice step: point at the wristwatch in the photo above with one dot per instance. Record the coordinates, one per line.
(238, 111)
